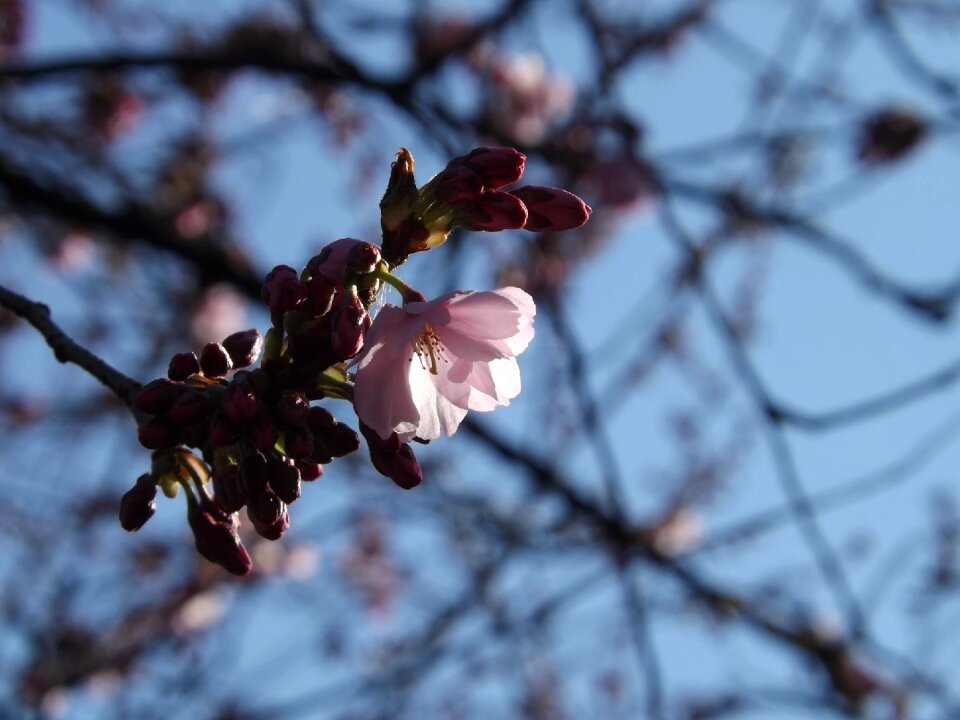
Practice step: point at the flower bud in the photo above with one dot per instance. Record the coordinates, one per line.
(309, 471)
(363, 258)
(214, 360)
(228, 489)
(292, 408)
(158, 396)
(393, 458)
(158, 434)
(551, 208)
(222, 432)
(253, 474)
(275, 530)
(348, 325)
(320, 293)
(182, 366)
(492, 211)
(191, 407)
(284, 479)
(244, 347)
(297, 442)
(262, 432)
(282, 291)
(138, 504)
(495, 166)
(457, 184)
(266, 508)
(240, 404)
(217, 540)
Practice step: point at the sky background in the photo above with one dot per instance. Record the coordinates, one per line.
(823, 341)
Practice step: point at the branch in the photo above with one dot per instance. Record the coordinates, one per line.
(65, 349)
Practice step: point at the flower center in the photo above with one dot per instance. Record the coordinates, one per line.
(428, 349)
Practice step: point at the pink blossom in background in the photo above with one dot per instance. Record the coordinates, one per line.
(426, 364)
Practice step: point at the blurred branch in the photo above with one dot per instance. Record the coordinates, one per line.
(67, 350)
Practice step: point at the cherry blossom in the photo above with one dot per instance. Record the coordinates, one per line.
(426, 364)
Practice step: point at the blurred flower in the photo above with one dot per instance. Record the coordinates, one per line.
(218, 313)
(525, 100)
(426, 364)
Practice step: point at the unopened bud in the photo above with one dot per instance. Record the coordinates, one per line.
(457, 184)
(492, 211)
(495, 166)
(320, 293)
(253, 474)
(297, 442)
(138, 504)
(228, 489)
(890, 134)
(266, 508)
(215, 361)
(309, 471)
(348, 325)
(182, 366)
(191, 407)
(275, 530)
(262, 432)
(282, 291)
(552, 208)
(292, 408)
(158, 434)
(240, 404)
(158, 396)
(284, 479)
(217, 540)
(244, 347)
(222, 431)
(393, 458)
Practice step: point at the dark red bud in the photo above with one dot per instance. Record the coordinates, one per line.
(266, 508)
(348, 325)
(158, 396)
(191, 407)
(292, 408)
(262, 432)
(493, 211)
(284, 479)
(393, 458)
(222, 431)
(552, 208)
(297, 442)
(240, 404)
(253, 474)
(138, 504)
(309, 471)
(214, 360)
(496, 166)
(457, 184)
(182, 366)
(217, 540)
(158, 434)
(274, 531)
(363, 258)
(228, 489)
(319, 419)
(342, 440)
(244, 347)
(282, 291)
(319, 296)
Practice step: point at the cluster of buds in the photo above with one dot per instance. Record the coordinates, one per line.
(232, 436)
(469, 193)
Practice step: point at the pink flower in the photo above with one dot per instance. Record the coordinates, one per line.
(425, 365)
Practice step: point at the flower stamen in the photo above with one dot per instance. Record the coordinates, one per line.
(428, 346)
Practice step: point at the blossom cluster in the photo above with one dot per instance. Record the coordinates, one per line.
(232, 436)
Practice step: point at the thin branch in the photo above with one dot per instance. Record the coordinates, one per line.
(65, 349)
